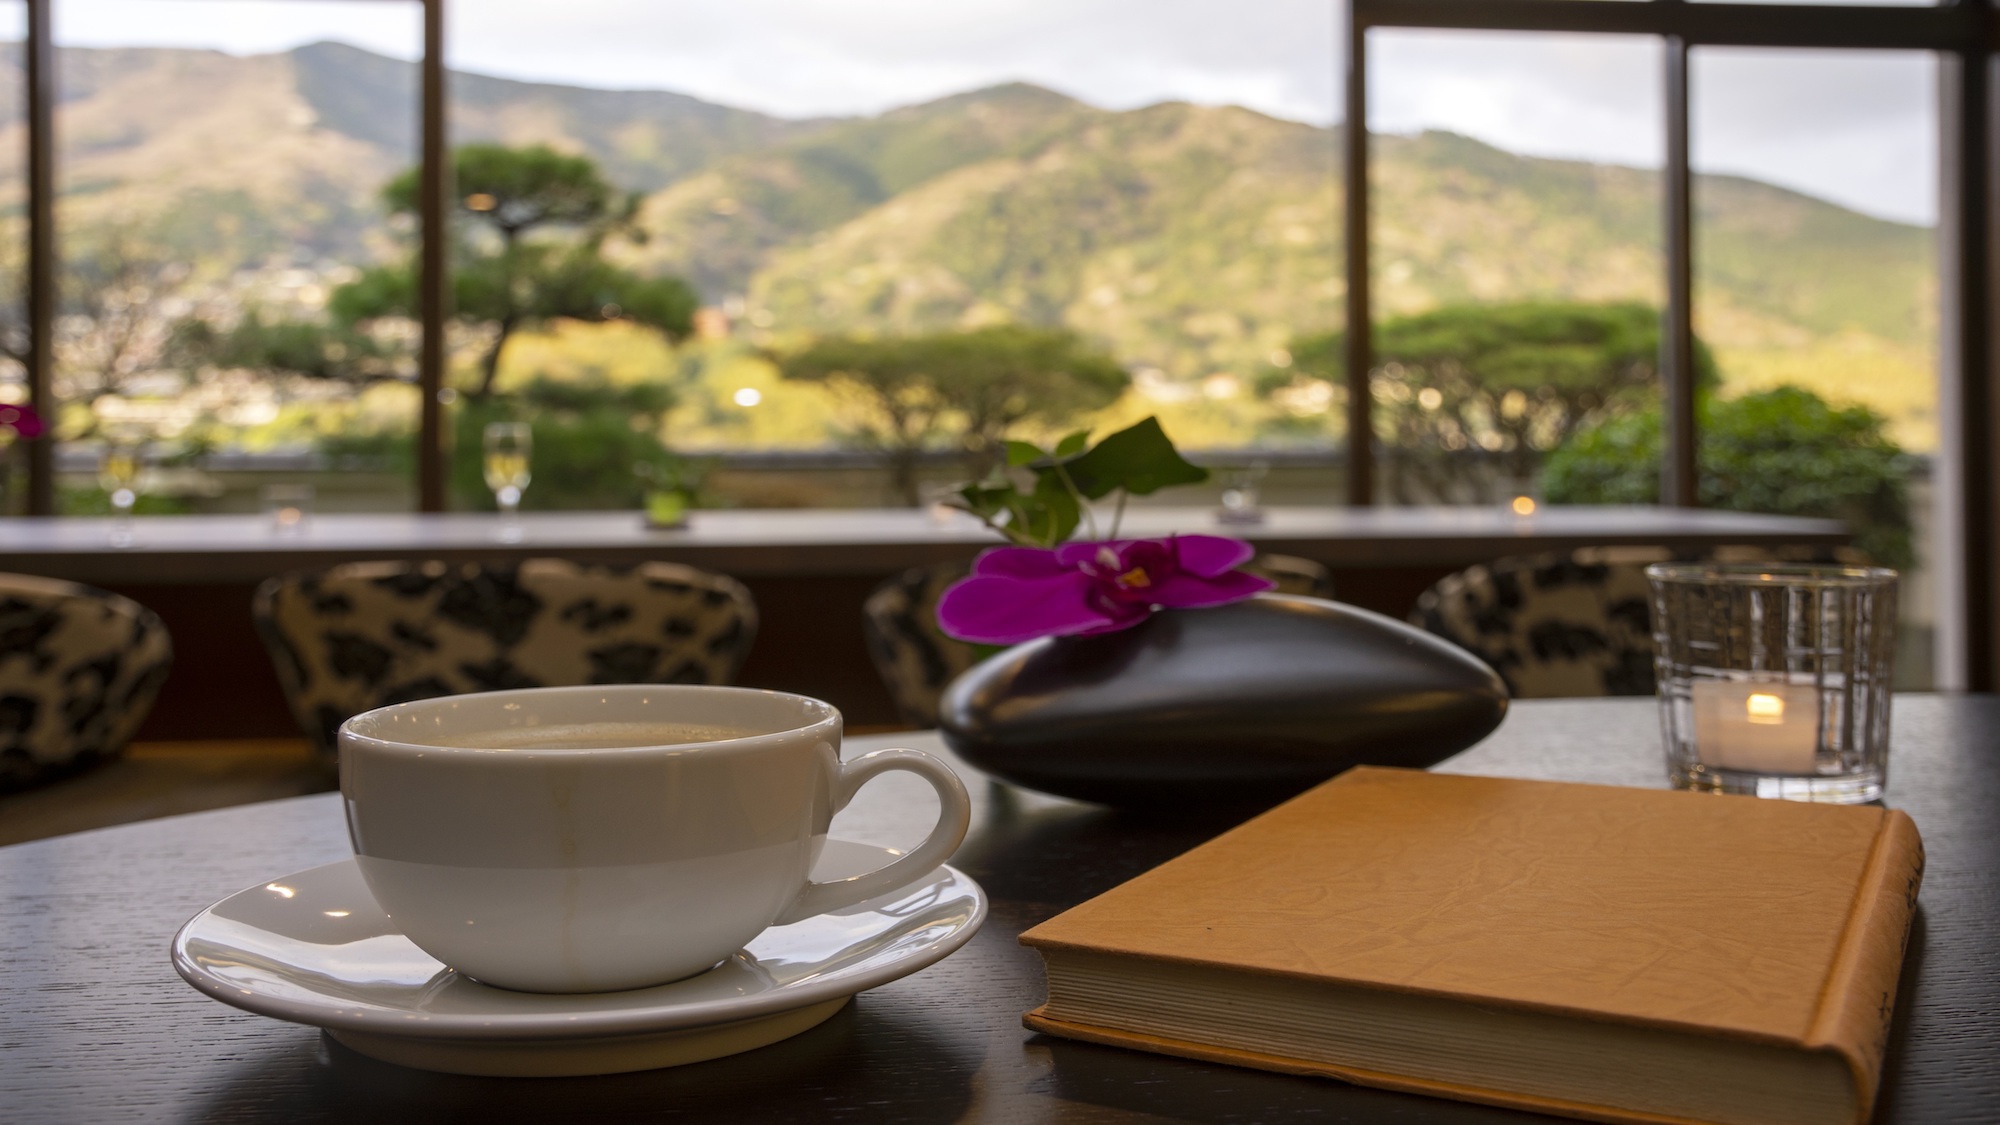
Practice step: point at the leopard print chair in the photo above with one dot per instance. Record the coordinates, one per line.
(1557, 626)
(364, 635)
(79, 669)
(917, 660)
(1553, 625)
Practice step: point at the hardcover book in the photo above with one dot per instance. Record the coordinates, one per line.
(1613, 954)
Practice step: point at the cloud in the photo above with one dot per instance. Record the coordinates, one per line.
(1587, 97)
(1856, 127)
(237, 27)
(864, 56)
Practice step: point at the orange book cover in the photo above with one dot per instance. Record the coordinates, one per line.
(1767, 923)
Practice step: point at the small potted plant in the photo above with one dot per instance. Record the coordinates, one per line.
(1155, 672)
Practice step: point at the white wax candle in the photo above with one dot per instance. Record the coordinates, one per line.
(1758, 727)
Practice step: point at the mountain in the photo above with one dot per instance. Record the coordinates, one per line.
(1188, 237)
(241, 158)
(720, 227)
(1191, 239)
(1201, 240)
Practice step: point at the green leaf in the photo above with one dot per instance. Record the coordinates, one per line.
(1073, 444)
(1058, 510)
(1141, 459)
(986, 501)
(1023, 453)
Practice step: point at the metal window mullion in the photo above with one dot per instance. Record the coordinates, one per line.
(1359, 349)
(1678, 471)
(41, 281)
(434, 272)
(1968, 559)
(1766, 24)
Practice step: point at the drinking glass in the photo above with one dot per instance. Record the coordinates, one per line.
(118, 471)
(289, 507)
(1242, 495)
(1774, 680)
(508, 446)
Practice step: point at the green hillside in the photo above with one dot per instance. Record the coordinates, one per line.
(1194, 241)
(721, 226)
(1187, 238)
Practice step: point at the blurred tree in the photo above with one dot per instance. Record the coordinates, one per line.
(508, 279)
(119, 294)
(530, 249)
(275, 346)
(960, 391)
(596, 444)
(1512, 381)
(1784, 451)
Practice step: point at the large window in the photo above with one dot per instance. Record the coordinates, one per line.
(1815, 269)
(1157, 182)
(1813, 356)
(702, 245)
(219, 175)
(1517, 260)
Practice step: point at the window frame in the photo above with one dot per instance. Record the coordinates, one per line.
(44, 263)
(1964, 35)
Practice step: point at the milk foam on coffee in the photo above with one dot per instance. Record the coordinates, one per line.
(591, 736)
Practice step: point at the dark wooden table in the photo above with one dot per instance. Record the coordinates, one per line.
(95, 1026)
(809, 571)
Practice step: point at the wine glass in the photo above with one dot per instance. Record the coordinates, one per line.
(508, 446)
(118, 472)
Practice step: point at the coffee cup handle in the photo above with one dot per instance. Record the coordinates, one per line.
(954, 816)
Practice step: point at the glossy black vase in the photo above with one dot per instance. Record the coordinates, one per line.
(1240, 704)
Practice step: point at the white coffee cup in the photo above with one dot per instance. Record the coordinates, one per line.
(504, 846)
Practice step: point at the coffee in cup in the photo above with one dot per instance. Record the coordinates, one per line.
(592, 839)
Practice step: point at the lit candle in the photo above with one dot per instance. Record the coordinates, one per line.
(1522, 505)
(1757, 727)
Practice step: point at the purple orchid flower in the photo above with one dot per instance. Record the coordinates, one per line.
(1016, 594)
(21, 418)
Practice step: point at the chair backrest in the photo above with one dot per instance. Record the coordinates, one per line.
(1290, 574)
(917, 660)
(1553, 625)
(914, 657)
(364, 635)
(79, 669)
(1576, 624)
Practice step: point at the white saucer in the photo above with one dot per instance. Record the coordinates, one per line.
(314, 948)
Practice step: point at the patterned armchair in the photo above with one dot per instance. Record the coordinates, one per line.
(364, 635)
(916, 660)
(79, 669)
(1553, 625)
(1558, 626)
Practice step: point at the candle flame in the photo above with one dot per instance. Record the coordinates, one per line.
(1764, 708)
(1524, 505)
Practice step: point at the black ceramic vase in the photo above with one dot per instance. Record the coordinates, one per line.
(1235, 705)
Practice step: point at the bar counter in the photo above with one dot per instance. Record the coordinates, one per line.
(205, 550)
(809, 571)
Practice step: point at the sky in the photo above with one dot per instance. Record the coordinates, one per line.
(1854, 127)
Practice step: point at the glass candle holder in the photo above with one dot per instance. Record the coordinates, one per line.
(1242, 495)
(1774, 680)
(289, 507)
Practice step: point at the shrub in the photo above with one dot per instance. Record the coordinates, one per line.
(1463, 385)
(590, 440)
(957, 389)
(1784, 451)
